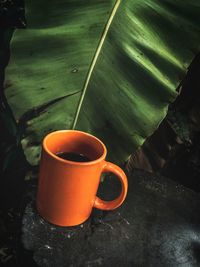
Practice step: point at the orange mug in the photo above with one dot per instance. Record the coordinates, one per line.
(67, 189)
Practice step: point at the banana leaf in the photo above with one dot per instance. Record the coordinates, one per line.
(110, 68)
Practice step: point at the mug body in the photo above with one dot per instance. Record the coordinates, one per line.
(67, 189)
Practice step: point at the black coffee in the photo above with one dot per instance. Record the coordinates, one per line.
(73, 156)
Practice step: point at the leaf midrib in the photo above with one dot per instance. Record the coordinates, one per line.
(94, 60)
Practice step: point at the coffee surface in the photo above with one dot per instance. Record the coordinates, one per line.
(73, 156)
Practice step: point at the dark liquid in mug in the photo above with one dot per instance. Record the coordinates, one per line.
(73, 156)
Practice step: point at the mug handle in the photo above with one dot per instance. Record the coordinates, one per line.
(113, 204)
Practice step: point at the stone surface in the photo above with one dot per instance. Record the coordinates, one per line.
(158, 225)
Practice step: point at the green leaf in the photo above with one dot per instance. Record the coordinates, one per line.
(69, 68)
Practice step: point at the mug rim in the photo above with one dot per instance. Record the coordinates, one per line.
(101, 158)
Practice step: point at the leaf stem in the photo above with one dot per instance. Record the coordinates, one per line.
(94, 60)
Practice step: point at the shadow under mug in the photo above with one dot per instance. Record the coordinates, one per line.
(67, 189)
